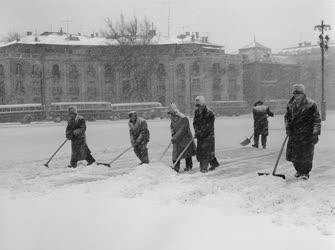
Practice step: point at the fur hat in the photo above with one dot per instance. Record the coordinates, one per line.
(201, 99)
(73, 110)
(298, 89)
(258, 103)
(173, 109)
(132, 113)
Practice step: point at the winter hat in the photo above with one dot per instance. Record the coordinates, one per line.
(200, 99)
(298, 89)
(132, 113)
(258, 103)
(73, 110)
(173, 109)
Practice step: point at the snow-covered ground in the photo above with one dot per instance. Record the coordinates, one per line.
(152, 207)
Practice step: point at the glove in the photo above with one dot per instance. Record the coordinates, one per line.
(315, 139)
(76, 132)
(288, 132)
(196, 135)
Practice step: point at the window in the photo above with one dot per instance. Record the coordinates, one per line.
(196, 86)
(2, 92)
(19, 88)
(195, 69)
(73, 72)
(35, 71)
(181, 84)
(109, 71)
(19, 70)
(55, 71)
(181, 71)
(217, 69)
(2, 71)
(161, 73)
(74, 90)
(233, 89)
(91, 93)
(216, 87)
(91, 70)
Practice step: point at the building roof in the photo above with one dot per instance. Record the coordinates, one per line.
(60, 38)
(253, 45)
(303, 49)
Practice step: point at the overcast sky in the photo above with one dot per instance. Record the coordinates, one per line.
(232, 23)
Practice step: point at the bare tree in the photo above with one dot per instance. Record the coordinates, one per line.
(11, 36)
(130, 32)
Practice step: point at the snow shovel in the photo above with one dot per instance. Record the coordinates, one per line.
(276, 165)
(117, 157)
(167, 148)
(181, 154)
(246, 141)
(46, 164)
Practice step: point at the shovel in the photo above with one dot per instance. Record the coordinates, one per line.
(117, 157)
(276, 165)
(47, 164)
(181, 154)
(163, 154)
(246, 141)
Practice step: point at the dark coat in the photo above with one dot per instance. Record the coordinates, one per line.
(301, 124)
(181, 136)
(138, 131)
(203, 124)
(75, 131)
(261, 124)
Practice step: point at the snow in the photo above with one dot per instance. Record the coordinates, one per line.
(150, 206)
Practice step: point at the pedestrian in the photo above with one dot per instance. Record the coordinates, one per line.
(261, 124)
(76, 132)
(181, 136)
(203, 124)
(303, 126)
(139, 136)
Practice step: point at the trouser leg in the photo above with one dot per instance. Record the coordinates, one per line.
(256, 139)
(264, 138)
(204, 165)
(214, 163)
(306, 167)
(73, 162)
(189, 163)
(177, 166)
(89, 158)
(142, 153)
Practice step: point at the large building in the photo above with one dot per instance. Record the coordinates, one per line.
(57, 67)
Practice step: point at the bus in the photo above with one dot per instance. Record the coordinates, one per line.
(89, 110)
(147, 110)
(24, 113)
(229, 108)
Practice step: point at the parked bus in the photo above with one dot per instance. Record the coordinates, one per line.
(89, 110)
(229, 108)
(24, 113)
(148, 110)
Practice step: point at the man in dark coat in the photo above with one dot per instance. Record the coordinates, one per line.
(181, 137)
(75, 131)
(203, 124)
(303, 126)
(261, 124)
(139, 136)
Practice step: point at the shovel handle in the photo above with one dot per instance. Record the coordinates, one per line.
(181, 154)
(167, 148)
(46, 164)
(279, 155)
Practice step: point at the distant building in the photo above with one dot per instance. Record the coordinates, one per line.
(308, 57)
(57, 67)
(266, 76)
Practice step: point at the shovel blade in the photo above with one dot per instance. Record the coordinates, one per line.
(105, 164)
(46, 165)
(262, 173)
(280, 175)
(245, 142)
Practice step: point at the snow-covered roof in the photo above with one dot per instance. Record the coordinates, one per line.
(254, 44)
(57, 38)
(303, 49)
(136, 104)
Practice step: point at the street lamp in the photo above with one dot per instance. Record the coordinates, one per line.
(323, 42)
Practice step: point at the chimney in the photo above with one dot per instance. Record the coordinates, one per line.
(96, 34)
(187, 33)
(29, 33)
(79, 34)
(196, 35)
(92, 35)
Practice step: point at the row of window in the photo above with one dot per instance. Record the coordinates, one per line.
(110, 72)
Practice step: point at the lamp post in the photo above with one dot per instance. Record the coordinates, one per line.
(323, 42)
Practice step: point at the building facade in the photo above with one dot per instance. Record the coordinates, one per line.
(40, 72)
